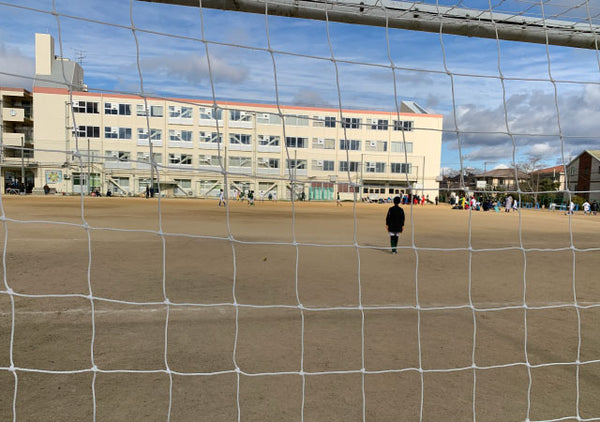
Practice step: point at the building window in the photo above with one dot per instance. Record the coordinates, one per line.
(327, 121)
(240, 139)
(118, 156)
(403, 168)
(374, 167)
(88, 131)
(351, 166)
(210, 160)
(240, 116)
(269, 140)
(268, 163)
(117, 109)
(351, 123)
(155, 134)
(141, 110)
(144, 157)
(403, 125)
(177, 112)
(117, 132)
(268, 119)
(379, 124)
(322, 165)
(245, 162)
(402, 147)
(296, 142)
(323, 143)
(180, 159)
(349, 144)
(210, 114)
(296, 164)
(180, 135)
(379, 146)
(184, 183)
(90, 107)
(301, 120)
(211, 137)
(155, 111)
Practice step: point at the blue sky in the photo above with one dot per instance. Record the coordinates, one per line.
(449, 75)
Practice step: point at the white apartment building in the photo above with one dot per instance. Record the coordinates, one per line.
(87, 140)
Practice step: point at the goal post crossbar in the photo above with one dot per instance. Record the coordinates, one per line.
(420, 17)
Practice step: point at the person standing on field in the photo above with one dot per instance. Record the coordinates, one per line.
(586, 207)
(508, 203)
(394, 223)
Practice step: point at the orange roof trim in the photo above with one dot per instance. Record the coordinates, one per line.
(64, 91)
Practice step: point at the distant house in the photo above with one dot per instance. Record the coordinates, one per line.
(503, 179)
(583, 175)
(457, 185)
(555, 174)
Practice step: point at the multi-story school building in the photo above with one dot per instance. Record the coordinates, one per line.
(82, 141)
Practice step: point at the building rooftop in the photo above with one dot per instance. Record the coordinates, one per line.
(550, 170)
(504, 173)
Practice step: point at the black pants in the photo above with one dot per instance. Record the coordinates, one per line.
(394, 242)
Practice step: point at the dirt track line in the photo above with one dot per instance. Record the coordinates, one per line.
(480, 307)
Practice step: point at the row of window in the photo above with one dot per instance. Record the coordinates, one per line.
(240, 116)
(111, 132)
(262, 162)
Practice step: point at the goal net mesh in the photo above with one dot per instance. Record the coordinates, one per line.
(210, 320)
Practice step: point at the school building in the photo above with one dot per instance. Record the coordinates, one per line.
(71, 140)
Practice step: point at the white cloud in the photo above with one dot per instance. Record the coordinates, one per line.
(194, 70)
(537, 122)
(543, 150)
(310, 98)
(14, 62)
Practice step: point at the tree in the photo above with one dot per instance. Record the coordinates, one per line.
(534, 179)
(550, 191)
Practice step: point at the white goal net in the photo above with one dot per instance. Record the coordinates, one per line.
(195, 230)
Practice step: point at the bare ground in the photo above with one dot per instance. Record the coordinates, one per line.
(270, 359)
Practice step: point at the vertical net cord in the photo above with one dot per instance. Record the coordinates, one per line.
(223, 164)
(85, 224)
(572, 244)
(469, 239)
(292, 176)
(354, 218)
(459, 146)
(10, 292)
(589, 19)
(521, 247)
(412, 223)
(153, 166)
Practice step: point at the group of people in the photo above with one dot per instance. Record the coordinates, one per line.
(405, 199)
(592, 208)
(588, 209)
(246, 196)
(15, 186)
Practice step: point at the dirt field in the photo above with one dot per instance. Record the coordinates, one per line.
(195, 253)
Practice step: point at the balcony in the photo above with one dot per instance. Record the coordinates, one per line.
(10, 114)
(14, 139)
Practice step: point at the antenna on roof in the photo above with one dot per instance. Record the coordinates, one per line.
(79, 56)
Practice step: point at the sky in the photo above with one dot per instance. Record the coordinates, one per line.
(503, 102)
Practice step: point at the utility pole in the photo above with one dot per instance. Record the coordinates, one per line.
(89, 188)
(23, 164)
